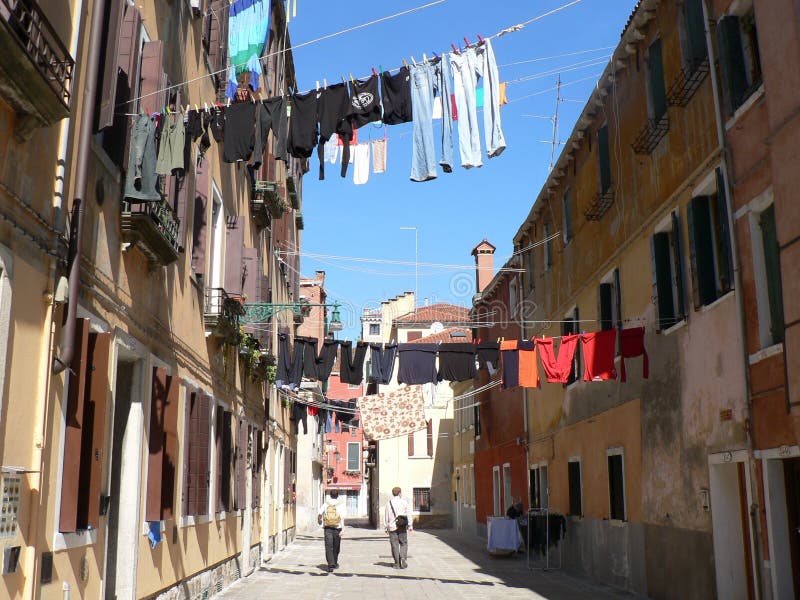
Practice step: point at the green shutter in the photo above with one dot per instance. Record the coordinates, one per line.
(724, 258)
(677, 256)
(731, 58)
(702, 251)
(662, 275)
(773, 271)
(604, 158)
(658, 90)
(695, 28)
(605, 306)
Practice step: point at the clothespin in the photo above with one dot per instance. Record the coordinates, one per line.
(351, 79)
(467, 41)
(196, 109)
(480, 39)
(317, 84)
(374, 72)
(344, 81)
(453, 46)
(325, 83)
(380, 68)
(424, 57)
(413, 60)
(405, 64)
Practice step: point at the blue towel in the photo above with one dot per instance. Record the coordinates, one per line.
(155, 533)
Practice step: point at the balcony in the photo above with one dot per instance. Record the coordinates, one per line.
(298, 218)
(599, 206)
(35, 67)
(265, 202)
(686, 84)
(221, 314)
(291, 188)
(151, 227)
(650, 135)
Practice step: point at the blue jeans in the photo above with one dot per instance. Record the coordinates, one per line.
(423, 157)
(492, 129)
(465, 78)
(444, 75)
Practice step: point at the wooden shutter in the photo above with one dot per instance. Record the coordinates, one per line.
(617, 300)
(429, 432)
(662, 286)
(240, 463)
(169, 468)
(773, 272)
(215, 37)
(224, 466)
(152, 76)
(616, 487)
(107, 89)
(658, 93)
(257, 463)
(200, 219)
(604, 159)
(411, 444)
(218, 452)
(605, 304)
(724, 258)
(701, 251)
(203, 442)
(251, 273)
(731, 59)
(695, 29)
(155, 461)
(97, 386)
(187, 502)
(234, 245)
(677, 256)
(70, 478)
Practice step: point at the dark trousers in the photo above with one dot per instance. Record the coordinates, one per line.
(332, 543)
(399, 542)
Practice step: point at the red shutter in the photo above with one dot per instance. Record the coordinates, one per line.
(218, 454)
(199, 223)
(97, 385)
(224, 460)
(256, 474)
(70, 477)
(107, 90)
(155, 461)
(429, 430)
(116, 140)
(411, 444)
(234, 244)
(188, 498)
(202, 442)
(152, 76)
(170, 466)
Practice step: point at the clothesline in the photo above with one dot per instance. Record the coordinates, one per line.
(505, 31)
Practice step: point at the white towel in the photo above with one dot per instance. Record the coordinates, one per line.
(331, 150)
(379, 148)
(360, 163)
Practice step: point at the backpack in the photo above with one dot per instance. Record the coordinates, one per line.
(330, 518)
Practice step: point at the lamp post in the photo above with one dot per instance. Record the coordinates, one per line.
(416, 261)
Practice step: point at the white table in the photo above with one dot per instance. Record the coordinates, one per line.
(503, 534)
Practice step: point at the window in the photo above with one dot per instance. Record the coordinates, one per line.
(163, 447)
(575, 492)
(413, 335)
(667, 262)
(467, 488)
(463, 482)
(709, 246)
(566, 217)
(476, 415)
(692, 34)
(84, 432)
(196, 461)
(539, 491)
(656, 90)
(768, 278)
(571, 325)
(472, 484)
(353, 431)
(353, 456)
(429, 436)
(374, 328)
(416, 439)
(609, 301)
(496, 490)
(604, 160)
(739, 57)
(547, 231)
(223, 442)
(507, 500)
(422, 499)
(616, 484)
(513, 296)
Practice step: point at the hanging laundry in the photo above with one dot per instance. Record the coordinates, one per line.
(361, 164)
(598, 355)
(248, 27)
(509, 356)
(217, 124)
(284, 366)
(302, 125)
(396, 97)
(379, 149)
(417, 363)
(313, 411)
(393, 414)
(488, 354)
(352, 362)
(465, 82)
(239, 132)
(326, 358)
(557, 369)
(528, 367)
(444, 77)
(141, 181)
(331, 150)
(456, 362)
(154, 533)
(262, 128)
(423, 157)
(278, 123)
(300, 414)
(310, 358)
(631, 346)
(333, 108)
(492, 127)
(194, 125)
(365, 103)
(502, 93)
(382, 361)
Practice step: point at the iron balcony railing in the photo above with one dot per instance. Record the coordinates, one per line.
(27, 24)
(219, 302)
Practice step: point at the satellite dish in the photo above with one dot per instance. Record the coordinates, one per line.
(436, 327)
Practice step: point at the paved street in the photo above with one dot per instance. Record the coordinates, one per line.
(441, 565)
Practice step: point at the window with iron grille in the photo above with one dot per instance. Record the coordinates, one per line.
(422, 499)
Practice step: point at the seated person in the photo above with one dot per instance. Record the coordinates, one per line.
(515, 510)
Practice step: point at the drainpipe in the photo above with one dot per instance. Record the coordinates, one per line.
(753, 511)
(84, 141)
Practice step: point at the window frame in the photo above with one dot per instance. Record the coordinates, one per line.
(507, 493)
(496, 491)
(357, 446)
(418, 494)
(567, 233)
(376, 326)
(740, 56)
(610, 453)
(671, 228)
(611, 279)
(766, 304)
(538, 486)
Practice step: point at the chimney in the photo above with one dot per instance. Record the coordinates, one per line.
(484, 264)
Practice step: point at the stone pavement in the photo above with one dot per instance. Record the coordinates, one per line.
(441, 565)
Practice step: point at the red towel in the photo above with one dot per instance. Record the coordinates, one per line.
(598, 354)
(632, 345)
(557, 369)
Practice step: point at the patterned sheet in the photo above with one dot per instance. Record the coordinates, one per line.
(392, 414)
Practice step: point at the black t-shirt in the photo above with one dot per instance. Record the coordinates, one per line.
(365, 102)
(239, 132)
(396, 91)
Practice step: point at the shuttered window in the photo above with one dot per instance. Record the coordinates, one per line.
(222, 442)
(571, 325)
(606, 306)
(258, 462)
(429, 436)
(739, 57)
(547, 231)
(411, 444)
(772, 267)
(616, 487)
(529, 266)
(667, 260)
(196, 454)
(234, 245)
(656, 89)
(107, 86)
(574, 477)
(604, 159)
(566, 217)
(694, 42)
(240, 464)
(353, 456)
(162, 447)
(84, 434)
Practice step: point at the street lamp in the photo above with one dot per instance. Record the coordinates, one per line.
(416, 261)
(335, 323)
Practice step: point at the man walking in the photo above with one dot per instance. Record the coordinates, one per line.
(398, 523)
(332, 521)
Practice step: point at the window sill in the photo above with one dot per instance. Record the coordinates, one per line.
(745, 106)
(708, 307)
(617, 523)
(426, 457)
(192, 520)
(765, 353)
(78, 539)
(673, 328)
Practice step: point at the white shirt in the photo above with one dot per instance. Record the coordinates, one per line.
(340, 506)
(400, 507)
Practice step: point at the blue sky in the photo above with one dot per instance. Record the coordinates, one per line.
(456, 211)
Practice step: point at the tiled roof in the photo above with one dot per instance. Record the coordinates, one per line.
(442, 312)
(446, 336)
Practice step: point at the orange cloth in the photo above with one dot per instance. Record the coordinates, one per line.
(528, 367)
(503, 98)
